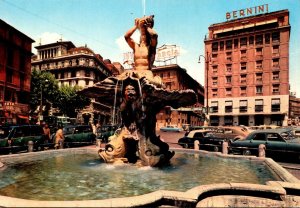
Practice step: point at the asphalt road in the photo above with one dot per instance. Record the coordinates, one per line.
(171, 138)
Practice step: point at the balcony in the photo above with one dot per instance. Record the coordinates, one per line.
(243, 58)
(275, 80)
(259, 57)
(275, 67)
(259, 68)
(275, 55)
(259, 80)
(243, 94)
(275, 93)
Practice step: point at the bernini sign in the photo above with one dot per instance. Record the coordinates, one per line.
(247, 12)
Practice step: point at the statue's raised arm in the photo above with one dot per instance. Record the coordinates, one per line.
(144, 51)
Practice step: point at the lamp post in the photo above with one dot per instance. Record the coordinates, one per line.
(207, 59)
(41, 103)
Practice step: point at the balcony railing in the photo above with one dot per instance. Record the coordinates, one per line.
(259, 57)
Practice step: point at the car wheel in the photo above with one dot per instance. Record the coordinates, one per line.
(185, 146)
(246, 152)
(216, 149)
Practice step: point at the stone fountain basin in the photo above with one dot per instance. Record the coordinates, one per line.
(284, 192)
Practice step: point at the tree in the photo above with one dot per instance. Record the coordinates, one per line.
(45, 84)
(69, 101)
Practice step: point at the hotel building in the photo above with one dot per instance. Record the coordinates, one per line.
(248, 70)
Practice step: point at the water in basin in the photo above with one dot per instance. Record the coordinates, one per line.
(84, 177)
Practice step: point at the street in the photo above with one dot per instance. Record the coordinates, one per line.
(171, 138)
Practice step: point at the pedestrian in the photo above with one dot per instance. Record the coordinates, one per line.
(59, 137)
(46, 130)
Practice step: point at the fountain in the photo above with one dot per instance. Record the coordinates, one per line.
(75, 177)
(142, 97)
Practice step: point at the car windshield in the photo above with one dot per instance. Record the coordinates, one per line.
(287, 135)
(4, 131)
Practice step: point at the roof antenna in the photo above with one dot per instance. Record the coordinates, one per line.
(40, 41)
(60, 38)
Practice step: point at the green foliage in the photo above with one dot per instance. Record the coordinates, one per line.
(69, 100)
(65, 98)
(42, 83)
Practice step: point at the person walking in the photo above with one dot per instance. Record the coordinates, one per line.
(59, 137)
(46, 130)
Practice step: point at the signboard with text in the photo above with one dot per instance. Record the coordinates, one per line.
(247, 12)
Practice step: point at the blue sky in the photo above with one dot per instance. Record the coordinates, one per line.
(101, 25)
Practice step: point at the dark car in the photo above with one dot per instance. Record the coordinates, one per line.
(231, 132)
(78, 135)
(15, 138)
(105, 131)
(188, 140)
(278, 143)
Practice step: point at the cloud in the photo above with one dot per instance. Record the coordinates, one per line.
(123, 46)
(46, 38)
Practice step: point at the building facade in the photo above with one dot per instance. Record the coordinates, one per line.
(76, 66)
(294, 112)
(248, 70)
(15, 74)
(176, 78)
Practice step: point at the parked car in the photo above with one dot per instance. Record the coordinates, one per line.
(78, 135)
(192, 128)
(105, 131)
(171, 128)
(278, 142)
(15, 138)
(188, 140)
(231, 132)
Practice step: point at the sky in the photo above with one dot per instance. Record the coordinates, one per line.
(101, 25)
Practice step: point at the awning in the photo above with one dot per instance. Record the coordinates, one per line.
(23, 117)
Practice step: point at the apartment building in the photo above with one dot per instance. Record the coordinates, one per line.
(248, 70)
(176, 78)
(15, 74)
(77, 66)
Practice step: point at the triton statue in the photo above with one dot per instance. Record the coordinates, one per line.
(139, 96)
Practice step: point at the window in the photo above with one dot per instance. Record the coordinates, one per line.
(87, 74)
(275, 88)
(221, 45)
(259, 51)
(243, 91)
(259, 40)
(228, 79)
(276, 62)
(62, 76)
(214, 92)
(243, 78)
(267, 38)
(228, 67)
(275, 104)
(259, 137)
(243, 65)
(228, 106)
(243, 106)
(251, 40)
(22, 62)
(70, 63)
(228, 44)
(275, 49)
(73, 74)
(243, 42)
(274, 137)
(275, 37)
(87, 82)
(258, 77)
(243, 54)
(214, 56)
(214, 107)
(10, 57)
(215, 47)
(259, 105)
(228, 91)
(9, 75)
(259, 65)
(215, 69)
(215, 80)
(259, 90)
(236, 43)
(228, 56)
(62, 64)
(275, 75)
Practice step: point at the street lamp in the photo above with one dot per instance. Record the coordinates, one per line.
(207, 60)
(41, 103)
